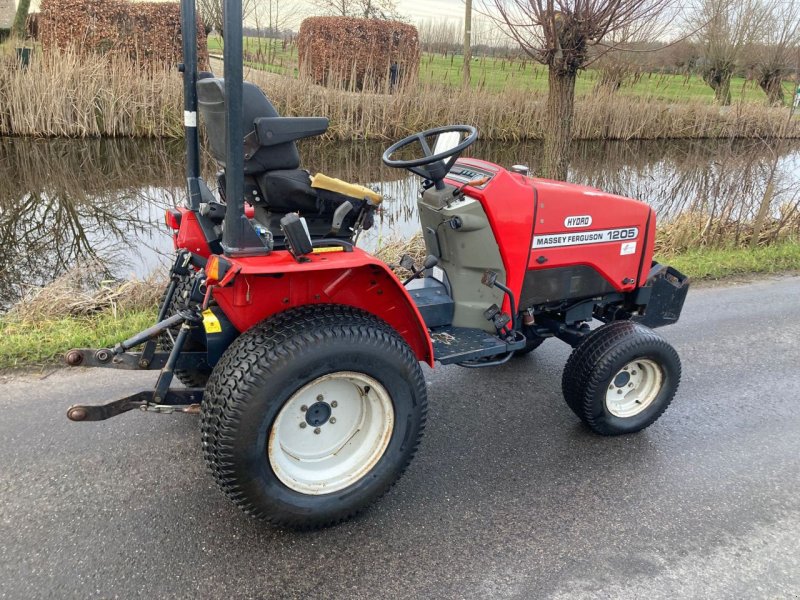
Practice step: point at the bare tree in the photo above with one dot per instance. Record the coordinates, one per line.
(726, 29)
(211, 13)
(271, 18)
(368, 9)
(773, 58)
(560, 34)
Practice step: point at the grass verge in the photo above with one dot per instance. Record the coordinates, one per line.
(25, 343)
(719, 263)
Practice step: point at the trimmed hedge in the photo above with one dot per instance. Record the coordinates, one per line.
(147, 32)
(358, 52)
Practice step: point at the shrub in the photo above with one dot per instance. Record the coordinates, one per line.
(358, 52)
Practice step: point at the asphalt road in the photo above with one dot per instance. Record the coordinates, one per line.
(509, 496)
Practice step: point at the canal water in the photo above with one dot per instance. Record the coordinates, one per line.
(70, 202)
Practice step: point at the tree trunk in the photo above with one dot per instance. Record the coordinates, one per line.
(558, 125)
(772, 84)
(19, 29)
(722, 94)
(720, 82)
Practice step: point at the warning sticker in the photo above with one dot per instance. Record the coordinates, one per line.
(210, 322)
(555, 240)
(627, 248)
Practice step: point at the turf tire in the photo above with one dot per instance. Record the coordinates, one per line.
(592, 366)
(261, 371)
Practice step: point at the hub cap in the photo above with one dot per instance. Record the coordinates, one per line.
(634, 388)
(331, 433)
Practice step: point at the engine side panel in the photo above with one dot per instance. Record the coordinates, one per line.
(576, 226)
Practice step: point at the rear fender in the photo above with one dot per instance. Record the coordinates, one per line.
(265, 286)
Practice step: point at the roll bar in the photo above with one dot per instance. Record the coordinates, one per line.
(238, 236)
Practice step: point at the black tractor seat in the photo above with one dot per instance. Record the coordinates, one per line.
(274, 183)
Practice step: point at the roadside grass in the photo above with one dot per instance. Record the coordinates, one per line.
(503, 74)
(718, 263)
(27, 342)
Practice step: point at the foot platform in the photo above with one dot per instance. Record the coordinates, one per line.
(461, 344)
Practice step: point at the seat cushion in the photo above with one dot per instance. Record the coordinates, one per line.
(288, 191)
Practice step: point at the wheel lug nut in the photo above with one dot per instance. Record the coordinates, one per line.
(633, 372)
(334, 404)
(619, 391)
(303, 425)
(304, 408)
(317, 430)
(333, 420)
(320, 398)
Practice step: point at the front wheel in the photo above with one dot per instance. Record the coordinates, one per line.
(312, 415)
(621, 378)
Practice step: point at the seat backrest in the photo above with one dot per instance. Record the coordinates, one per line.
(211, 102)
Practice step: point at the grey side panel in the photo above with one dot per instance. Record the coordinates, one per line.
(464, 254)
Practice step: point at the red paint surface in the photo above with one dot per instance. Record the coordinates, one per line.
(267, 285)
(511, 207)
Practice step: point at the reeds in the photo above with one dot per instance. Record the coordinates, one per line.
(85, 290)
(515, 115)
(73, 94)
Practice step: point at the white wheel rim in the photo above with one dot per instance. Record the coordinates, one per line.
(634, 388)
(315, 457)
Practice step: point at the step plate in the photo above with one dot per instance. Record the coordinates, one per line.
(458, 344)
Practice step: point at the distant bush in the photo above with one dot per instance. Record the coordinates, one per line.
(147, 32)
(358, 52)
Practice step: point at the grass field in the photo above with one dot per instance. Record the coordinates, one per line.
(494, 74)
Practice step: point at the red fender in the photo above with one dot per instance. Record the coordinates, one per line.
(267, 285)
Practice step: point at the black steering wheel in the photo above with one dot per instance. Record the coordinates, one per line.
(432, 166)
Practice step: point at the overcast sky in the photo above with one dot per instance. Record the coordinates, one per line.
(423, 9)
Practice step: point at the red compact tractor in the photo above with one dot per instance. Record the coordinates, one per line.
(302, 352)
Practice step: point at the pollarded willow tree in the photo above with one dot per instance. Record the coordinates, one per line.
(726, 29)
(566, 35)
(779, 48)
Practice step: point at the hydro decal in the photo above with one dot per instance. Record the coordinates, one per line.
(575, 222)
(555, 240)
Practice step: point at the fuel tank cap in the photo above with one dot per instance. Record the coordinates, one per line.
(521, 169)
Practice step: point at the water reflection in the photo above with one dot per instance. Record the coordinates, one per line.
(64, 201)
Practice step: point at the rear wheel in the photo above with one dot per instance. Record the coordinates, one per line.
(621, 378)
(312, 415)
(196, 342)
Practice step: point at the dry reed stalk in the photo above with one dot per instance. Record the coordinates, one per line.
(74, 94)
(391, 252)
(515, 114)
(84, 291)
(699, 230)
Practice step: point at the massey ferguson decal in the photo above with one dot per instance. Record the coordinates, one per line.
(556, 240)
(575, 222)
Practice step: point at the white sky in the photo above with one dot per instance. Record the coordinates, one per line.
(424, 9)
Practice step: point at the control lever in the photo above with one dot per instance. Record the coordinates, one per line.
(489, 279)
(474, 183)
(408, 263)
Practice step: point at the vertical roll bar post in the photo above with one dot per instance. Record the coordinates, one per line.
(238, 238)
(189, 68)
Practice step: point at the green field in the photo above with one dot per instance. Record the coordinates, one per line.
(498, 75)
